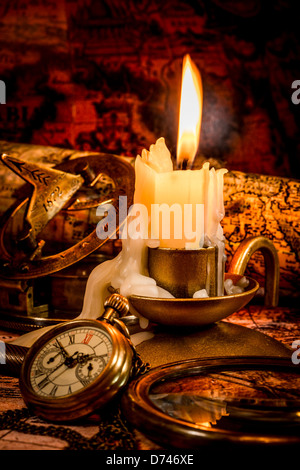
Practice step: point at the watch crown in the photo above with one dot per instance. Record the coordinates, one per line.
(117, 302)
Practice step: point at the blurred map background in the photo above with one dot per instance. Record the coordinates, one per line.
(105, 76)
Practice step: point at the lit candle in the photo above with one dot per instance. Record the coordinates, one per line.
(156, 184)
(196, 194)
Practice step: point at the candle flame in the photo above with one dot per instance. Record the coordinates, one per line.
(190, 114)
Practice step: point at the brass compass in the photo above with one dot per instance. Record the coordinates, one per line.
(70, 187)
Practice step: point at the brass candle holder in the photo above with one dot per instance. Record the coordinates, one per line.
(202, 311)
(183, 272)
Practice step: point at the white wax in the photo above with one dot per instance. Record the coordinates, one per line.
(200, 294)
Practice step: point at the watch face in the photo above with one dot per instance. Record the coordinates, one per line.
(74, 369)
(70, 361)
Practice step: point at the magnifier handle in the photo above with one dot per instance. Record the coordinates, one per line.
(11, 359)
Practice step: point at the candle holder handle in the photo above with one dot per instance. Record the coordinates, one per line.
(242, 256)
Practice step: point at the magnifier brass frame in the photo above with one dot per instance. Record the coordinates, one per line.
(169, 431)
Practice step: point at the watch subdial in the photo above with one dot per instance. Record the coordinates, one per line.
(49, 360)
(90, 370)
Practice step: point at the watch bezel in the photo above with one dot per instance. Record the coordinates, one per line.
(83, 402)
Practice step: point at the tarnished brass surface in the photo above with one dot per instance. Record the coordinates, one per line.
(189, 312)
(183, 272)
(27, 257)
(219, 339)
(242, 256)
(52, 189)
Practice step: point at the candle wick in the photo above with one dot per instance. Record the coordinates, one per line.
(183, 164)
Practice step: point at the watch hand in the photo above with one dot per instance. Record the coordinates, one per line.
(90, 368)
(52, 358)
(86, 357)
(78, 358)
(71, 361)
(45, 380)
(81, 358)
(64, 352)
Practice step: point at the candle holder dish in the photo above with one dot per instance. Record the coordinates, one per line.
(189, 312)
(208, 310)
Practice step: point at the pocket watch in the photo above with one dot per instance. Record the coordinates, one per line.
(78, 366)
